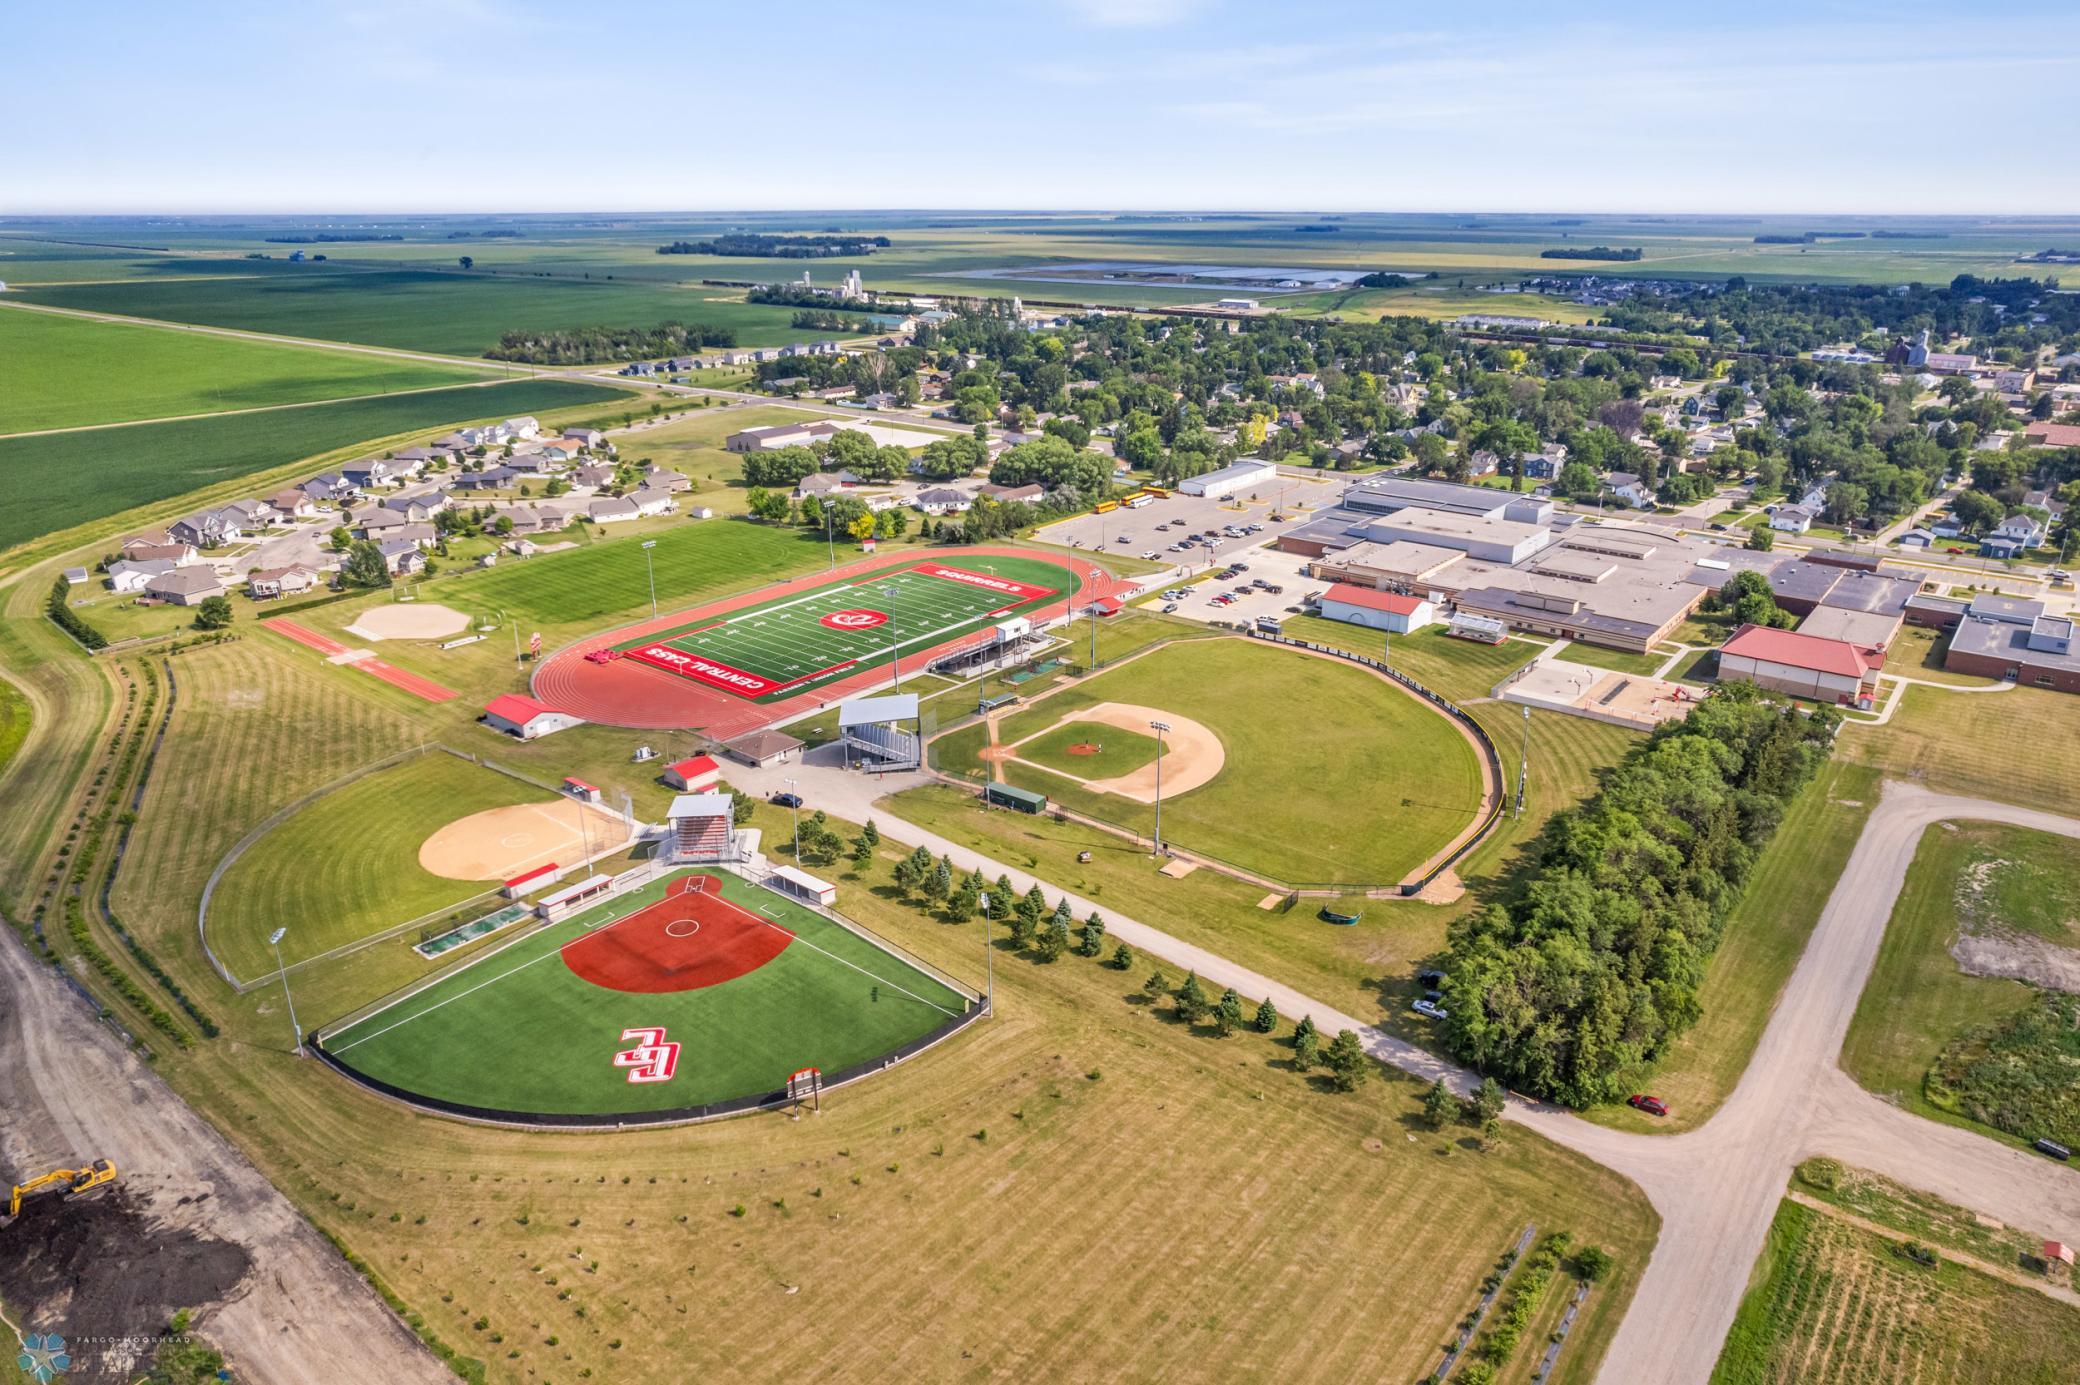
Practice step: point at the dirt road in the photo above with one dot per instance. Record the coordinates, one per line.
(189, 1223)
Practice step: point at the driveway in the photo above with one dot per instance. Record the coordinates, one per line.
(1716, 1187)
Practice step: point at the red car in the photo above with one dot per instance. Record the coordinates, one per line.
(1953, 550)
(602, 656)
(1652, 1105)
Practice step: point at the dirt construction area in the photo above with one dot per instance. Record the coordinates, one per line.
(500, 843)
(188, 1223)
(409, 620)
(1192, 757)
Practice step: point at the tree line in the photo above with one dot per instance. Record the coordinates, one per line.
(585, 345)
(1568, 990)
(813, 247)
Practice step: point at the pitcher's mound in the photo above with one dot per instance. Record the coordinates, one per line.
(500, 843)
(1085, 748)
(409, 620)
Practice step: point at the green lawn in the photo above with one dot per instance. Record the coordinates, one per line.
(1459, 669)
(1834, 1304)
(519, 1031)
(1760, 946)
(70, 371)
(53, 482)
(457, 313)
(2016, 746)
(347, 865)
(14, 721)
(1619, 660)
(1365, 781)
(1971, 877)
(1109, 751)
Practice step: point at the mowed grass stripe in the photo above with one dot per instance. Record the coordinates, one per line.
(347, 865)
(518, 1031)
(66, 372)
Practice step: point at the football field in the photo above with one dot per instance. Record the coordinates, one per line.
(798, 643)
(689, 992)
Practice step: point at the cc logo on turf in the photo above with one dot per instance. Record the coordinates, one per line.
(855, 620)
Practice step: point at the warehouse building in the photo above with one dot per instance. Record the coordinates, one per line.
(1376, 610)
(1803, 665)
(1229, 480)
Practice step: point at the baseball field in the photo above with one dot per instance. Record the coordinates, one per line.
(689, 991)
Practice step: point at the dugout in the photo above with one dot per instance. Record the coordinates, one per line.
(803, 886)
(1011, 796)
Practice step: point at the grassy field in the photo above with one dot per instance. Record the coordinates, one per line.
(301, 874)
(1459, 669)
(602, 579)
(831, 1000)
(1760, 946)
(63, 479)
(1917, 1000)
(448, 311)
(1972, 743)
(1390, 758)
(1832, 1302)
(1091, 751)
(72, 371)
(1924, 1216)
(1917, 652)
(692, 445)
(15, 716)
(1619, 660)
(533, 1256)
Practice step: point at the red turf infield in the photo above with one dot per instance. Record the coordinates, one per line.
(652, 951)
(624, 693)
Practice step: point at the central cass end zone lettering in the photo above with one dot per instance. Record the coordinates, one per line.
(1018, 590)
(701, 670)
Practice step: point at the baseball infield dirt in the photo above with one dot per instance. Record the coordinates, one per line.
(500, 843)
(1192, 754)
(409, 620)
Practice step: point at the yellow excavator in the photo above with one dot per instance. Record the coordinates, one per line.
(75, 1181)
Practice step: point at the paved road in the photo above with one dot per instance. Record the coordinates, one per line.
(69, 1090)
(1716, 1187)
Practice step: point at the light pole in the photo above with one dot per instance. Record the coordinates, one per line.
(895, 647)
(1524, 762)
(1159, 727)
(829, 543)
(275, 941)
(650, 566)
(516, 637)
(795, 808)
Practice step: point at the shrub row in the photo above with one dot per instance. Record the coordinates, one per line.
(1593, 969)
(467, 1367)
(59, 608)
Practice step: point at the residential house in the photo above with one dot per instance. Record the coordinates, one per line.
(413, 507)
(179, 554)
(1029, 492)
(1545, 464)
(267, 583)
(1629, 488)
(425, 535)
(403, 557)
(2013, 537)
(373, 474)
(329, 489)
(523, 427)
(652, 502)
(612, 510)
(293, 504)
(587, 479)
(1791, 519)
(251, 516)
(130, 575)
(2014, 381)
(1918, 538)
(585, 437)
(659, 478)
(206, 529)
(379, 523)
(185, 586)
(414, 460)
(150, 538)
(943, 501)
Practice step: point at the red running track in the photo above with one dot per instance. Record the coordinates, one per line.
(691, 938)
(625, 693)
(396, 677)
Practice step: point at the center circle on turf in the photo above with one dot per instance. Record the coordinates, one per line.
(645, 952)
(856, 619)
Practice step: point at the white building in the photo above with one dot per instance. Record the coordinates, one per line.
(1378, 610)
(525, 718)
(1239, 476)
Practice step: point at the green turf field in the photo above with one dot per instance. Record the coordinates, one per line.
(67, 372)
(795, 644)
(1364, 780)
(461, 314)
(518, 1031)
(58, 480)
(1117, 751)
(347, 865)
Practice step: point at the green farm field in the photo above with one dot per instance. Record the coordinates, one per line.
(448, 311)
(69, 372)
(59, 480)
(1338, 750)
(830, 999)
(347, 865)
(1983, 878)
(1832, 1303)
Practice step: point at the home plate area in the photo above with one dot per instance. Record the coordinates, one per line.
(691, 938)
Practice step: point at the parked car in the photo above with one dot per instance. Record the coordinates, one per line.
(1430, 978)
(1151, 555)
(1953, 549)
(2054, 1149)
(1652, 1105)
(1431, 1009)
(1168, 607)
(786, 800)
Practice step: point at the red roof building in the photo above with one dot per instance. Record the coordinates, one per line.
(693, 774)
(1809, 666)
(2052, 435)
(525, 718)
(1379, 610)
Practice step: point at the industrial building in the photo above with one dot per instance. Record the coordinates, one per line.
(1239, 476)
(1803, 665)
(1379, 610)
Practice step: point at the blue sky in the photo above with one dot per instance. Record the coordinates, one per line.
(466, 105)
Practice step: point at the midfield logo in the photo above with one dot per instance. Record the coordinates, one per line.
(652, 1059)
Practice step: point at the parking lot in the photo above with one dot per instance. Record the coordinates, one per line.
(1201, 601)
(1152, 529)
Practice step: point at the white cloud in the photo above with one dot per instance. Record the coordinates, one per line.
(1133, 14)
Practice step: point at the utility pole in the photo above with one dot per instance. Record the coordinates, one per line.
(275, 941)
(651, 567)
(829, 543)
(1159, 727)
(1094, 632)
(796, 810)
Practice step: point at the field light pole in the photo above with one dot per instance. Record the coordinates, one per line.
(516, 636)
(1524, 762)
(275, 941)
(1159, 727)
(650, 566)
(895, 659)
(796, 809)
